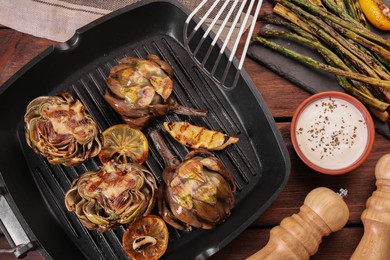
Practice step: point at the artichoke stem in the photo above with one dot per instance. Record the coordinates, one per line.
(170, 160)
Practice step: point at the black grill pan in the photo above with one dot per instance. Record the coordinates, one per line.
(35, 189)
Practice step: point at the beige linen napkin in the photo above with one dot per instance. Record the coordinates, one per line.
(59, 19)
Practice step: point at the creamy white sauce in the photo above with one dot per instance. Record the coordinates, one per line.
(331, 133)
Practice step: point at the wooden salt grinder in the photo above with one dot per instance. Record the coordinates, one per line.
(375, 243)
(298, 236)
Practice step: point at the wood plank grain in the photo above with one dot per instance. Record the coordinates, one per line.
(16, 50)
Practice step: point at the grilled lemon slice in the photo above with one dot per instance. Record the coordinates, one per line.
(198, 137)
(147, 238)
(124, 144)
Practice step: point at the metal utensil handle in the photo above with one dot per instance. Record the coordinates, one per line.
(13, 230)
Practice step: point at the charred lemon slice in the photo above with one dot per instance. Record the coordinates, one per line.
(377, 13)
(147, 238)
(124, 144)
(198, 137)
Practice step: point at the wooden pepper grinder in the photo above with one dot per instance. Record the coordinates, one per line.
(375, 243)
(298, 236)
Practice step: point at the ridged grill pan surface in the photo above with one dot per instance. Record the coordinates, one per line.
(259, 161)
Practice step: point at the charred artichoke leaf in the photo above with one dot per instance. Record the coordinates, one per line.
(58, 128)
(140, 90)
(113, 195)
(73, 198)
(215, 165)
(86, 222)
(181, 215)
(199, 192)
(133, 74)
(89, 209)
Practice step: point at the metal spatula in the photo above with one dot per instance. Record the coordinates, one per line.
(225, 21)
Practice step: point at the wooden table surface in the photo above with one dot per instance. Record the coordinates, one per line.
(282, 98)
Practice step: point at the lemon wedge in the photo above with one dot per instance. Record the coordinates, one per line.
(198, 137)
(377, 13)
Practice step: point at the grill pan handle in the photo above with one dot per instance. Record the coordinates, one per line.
(13, 230)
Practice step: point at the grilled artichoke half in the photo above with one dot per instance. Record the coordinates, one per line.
(140, 89)
(58, 128)
(198, 192)
(113, 195)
